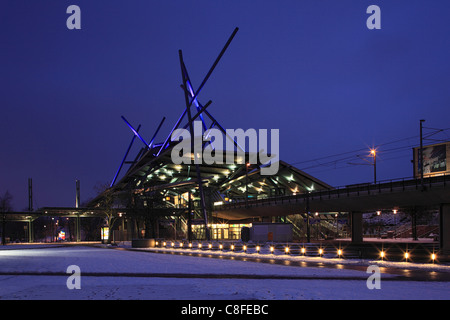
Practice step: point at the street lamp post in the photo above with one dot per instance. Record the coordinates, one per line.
(373, 152)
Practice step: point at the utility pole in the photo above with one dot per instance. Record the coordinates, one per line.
(247, 164)
(77, 193)
(421, 153)
(30, 194)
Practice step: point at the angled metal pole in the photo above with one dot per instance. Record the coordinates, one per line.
(198, 114)
(194, 98)
(138, 156)
(197, 104)
(124, 158)
(173, 129)
(223, 130)
(214, 65)
(156, 132)
(134, 131)
(197, 167)
(208, 114)
(187, 125)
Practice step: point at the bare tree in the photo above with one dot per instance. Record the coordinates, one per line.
(107, 204)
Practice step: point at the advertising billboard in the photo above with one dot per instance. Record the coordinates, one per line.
(436, 160)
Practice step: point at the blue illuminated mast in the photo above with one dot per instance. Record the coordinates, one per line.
(135, 134)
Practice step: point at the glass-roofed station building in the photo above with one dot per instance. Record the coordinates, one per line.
(166, 195)
(159, 195)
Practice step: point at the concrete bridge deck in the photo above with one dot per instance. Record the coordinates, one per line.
(409, 195)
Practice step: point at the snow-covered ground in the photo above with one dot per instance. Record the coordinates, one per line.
(118, 283)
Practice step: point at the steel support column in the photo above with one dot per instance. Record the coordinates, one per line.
(444, 229)
(78, 227)
(357, 226)
(30, 231)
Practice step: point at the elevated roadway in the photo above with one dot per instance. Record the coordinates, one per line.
(409, 195)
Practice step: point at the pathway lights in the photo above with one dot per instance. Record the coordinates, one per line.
(320, 252)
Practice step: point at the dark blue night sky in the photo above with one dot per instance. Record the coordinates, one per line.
(309, 68)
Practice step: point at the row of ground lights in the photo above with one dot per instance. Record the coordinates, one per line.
(286, 250)
(407, 256)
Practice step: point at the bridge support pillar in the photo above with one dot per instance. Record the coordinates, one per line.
(77, 228)
(444, 230)
(357, 227)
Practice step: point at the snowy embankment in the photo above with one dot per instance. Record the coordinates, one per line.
(118, 263)
(265, 254)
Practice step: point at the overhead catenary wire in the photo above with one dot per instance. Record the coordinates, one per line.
(344, 157)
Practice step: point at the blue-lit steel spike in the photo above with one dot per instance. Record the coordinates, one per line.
(207, 136)
(194, 98)
(156, 132)
(135, 132)
(165, 144)
(199, 113)
(207, 113)
(125, 157)
(224, 131)
(173, 129)
(197, 104)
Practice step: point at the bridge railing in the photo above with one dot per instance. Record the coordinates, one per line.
(382, 186)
